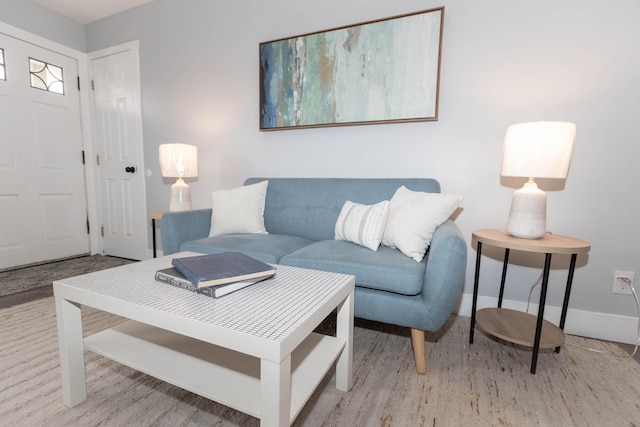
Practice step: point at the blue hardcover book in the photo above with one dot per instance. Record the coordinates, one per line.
(218, 269)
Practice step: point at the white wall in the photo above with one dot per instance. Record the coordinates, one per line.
(30, 16)
(503, 62)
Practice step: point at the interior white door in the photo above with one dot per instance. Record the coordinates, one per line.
(118, 122)
(43, 207)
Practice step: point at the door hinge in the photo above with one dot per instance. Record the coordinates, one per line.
(93, 85)
(102, 230)
(83, 159)
(88, 226)
(78, 82)
(98, 160)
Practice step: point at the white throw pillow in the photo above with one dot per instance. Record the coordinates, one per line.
(413, 217)
(240, 210)
(362, 224)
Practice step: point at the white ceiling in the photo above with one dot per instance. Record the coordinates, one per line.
(85, 11)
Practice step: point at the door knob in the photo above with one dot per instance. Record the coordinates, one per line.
(130, 169)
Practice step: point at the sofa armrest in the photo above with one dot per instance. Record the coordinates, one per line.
(179, 227)
(445, 272)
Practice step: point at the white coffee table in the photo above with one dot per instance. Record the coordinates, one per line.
(253, 350)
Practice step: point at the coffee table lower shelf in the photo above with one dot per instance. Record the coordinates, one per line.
(518, 327)
(219, 374)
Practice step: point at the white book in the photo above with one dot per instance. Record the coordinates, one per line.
(173, 277)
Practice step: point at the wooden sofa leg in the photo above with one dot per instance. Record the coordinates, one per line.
(417, 338)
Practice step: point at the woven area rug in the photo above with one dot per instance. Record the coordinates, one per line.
(27, 278)
(485, 384)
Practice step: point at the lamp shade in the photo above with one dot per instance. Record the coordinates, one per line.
(535, 150)
(538, 149)
(178, 160)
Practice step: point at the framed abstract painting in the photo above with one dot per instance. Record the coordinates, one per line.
(384, 71)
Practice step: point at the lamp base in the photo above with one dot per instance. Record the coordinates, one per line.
(180, 196)
(527, 218)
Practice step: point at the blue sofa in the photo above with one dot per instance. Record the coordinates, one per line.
(300, 216)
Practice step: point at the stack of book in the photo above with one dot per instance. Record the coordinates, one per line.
(215, 275)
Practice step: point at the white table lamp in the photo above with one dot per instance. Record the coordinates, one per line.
(179, 161)
(535, 150)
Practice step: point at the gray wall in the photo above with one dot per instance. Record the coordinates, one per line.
(32, 17)
(503, 62)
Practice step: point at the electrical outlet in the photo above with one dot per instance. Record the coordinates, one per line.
(623, 281)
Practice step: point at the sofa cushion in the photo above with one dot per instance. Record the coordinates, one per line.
(362, 224)
(239, 210)
(413, 217)
(309, 207)
(264, 247)
(386, 269)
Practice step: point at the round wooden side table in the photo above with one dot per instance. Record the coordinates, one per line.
(515, 326)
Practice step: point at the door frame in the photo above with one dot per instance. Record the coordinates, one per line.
(86, 125)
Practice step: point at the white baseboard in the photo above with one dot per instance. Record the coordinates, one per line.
(622, 329)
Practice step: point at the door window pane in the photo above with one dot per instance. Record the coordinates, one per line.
(46, 76)
(2, 75)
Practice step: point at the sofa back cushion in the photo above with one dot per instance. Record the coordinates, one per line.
(309, 207)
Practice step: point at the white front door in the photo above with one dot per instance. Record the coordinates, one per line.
(43, 208)
(118, 124)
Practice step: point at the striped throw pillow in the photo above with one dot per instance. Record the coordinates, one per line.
(362, 224)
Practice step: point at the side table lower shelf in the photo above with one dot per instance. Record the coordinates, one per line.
(518, 327)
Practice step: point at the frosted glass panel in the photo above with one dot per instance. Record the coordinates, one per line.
(46, 76)
(2, 74)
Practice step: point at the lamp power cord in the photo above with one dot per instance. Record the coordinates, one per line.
(635, 296)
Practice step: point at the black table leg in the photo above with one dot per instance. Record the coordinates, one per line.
(543, 298)
(153, 234)
(475, 292)
(504, 276)
(567, 294)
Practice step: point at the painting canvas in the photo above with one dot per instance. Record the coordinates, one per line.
(376, 72)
